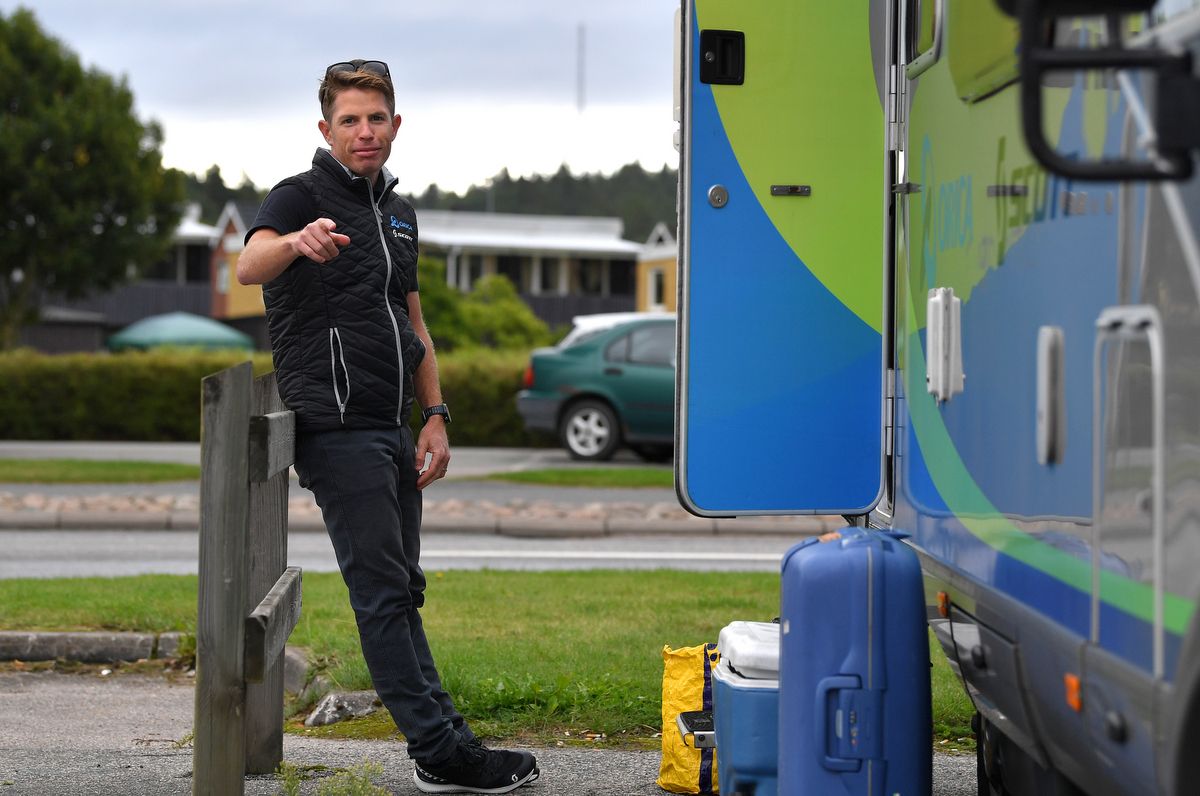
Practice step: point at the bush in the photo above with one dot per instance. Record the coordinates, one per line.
(441, 306)
(481, 388)
(155, 395)
(495, 316)
(492, 315)
(135, 396)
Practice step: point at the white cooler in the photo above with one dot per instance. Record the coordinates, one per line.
(746, 709)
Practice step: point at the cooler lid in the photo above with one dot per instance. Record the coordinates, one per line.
(751, 649)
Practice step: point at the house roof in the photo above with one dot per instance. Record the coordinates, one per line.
(660, 245)
(240, 213)
(518, 233)
(192, 230)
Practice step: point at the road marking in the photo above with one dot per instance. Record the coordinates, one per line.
(591, 555)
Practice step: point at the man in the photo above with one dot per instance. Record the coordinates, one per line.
(336, 250)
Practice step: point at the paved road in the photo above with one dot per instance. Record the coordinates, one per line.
(459, 488)
(466, 460)
(84, 734)
(467, 465)
(57, 554)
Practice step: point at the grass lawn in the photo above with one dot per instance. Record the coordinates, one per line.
(87, 471)
(526, 654)
(600, 477)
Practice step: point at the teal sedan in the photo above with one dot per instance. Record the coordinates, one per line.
(606, 388)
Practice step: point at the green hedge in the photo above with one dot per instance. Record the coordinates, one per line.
(155, 396)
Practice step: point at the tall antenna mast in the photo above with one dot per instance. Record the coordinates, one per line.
(580, 69)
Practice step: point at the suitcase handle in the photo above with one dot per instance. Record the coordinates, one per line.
(821, 716)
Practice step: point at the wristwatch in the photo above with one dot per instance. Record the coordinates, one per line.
(436, 409)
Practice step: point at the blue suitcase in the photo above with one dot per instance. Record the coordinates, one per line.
(854, 705)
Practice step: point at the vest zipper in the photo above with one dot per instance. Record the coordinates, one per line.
(334, 358)
(387, 283)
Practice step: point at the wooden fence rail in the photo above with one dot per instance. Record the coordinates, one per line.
(249, 599)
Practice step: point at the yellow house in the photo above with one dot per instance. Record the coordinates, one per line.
(241, 306)
(656, 271)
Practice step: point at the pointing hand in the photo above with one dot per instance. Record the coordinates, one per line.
(318, 241)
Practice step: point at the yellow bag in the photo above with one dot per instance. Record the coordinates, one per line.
(687, 685)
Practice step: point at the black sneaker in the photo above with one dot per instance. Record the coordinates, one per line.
(477, 769)
(478, 744)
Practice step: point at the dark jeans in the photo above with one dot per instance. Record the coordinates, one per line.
(365, 484)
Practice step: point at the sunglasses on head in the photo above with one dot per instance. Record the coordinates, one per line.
(359, 65)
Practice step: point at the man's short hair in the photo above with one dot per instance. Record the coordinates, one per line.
(337, 82)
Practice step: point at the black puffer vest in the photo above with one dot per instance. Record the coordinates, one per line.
(343, 344)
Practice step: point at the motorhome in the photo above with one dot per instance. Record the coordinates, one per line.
(962, 235)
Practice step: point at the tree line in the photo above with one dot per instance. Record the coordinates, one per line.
(638, 197)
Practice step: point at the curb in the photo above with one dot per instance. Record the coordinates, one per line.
(125, 647)
(90, 647)
(523, 527)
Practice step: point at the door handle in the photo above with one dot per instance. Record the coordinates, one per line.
(613, 372)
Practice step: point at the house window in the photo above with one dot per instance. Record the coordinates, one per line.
(510, 267)
(591, 277)
(622, 277)
(550, 271)
(515, 268)
(473, 270)
(196, 263)
(657, 289)
(223, 278)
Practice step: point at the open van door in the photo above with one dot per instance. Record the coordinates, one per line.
(783, 208)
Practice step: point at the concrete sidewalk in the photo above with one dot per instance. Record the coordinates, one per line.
(458, 504)
(129, 734)
(520, 518)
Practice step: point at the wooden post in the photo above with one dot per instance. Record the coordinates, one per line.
(248, 603)
(271, 453)
(218, 759)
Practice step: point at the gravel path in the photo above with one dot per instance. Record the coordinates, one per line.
(86, 734)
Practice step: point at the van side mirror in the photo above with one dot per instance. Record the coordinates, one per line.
(1176, 119)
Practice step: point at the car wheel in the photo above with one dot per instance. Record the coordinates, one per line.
(589, 431)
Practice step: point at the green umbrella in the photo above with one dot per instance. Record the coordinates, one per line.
(179, 329)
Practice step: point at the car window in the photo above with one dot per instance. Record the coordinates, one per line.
(653, 345)
(618, 350)
(576, 337)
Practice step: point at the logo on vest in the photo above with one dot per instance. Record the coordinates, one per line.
(398, 225)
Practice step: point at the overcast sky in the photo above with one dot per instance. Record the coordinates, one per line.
(481, 84)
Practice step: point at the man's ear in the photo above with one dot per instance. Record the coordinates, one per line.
(395, 126)
(323, 126)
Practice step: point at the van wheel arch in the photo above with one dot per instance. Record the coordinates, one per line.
(1182, 727)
